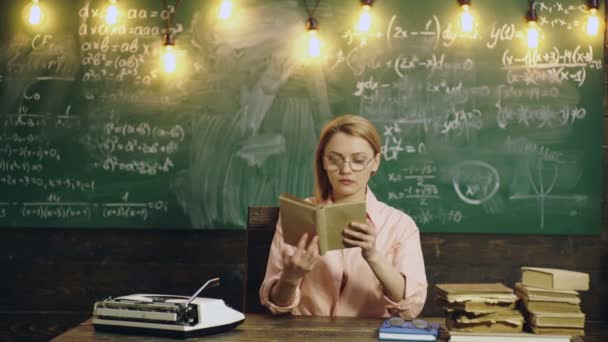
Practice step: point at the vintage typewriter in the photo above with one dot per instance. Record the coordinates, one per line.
(166, 315)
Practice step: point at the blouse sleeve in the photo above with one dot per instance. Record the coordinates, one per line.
(409, 262)
(274, 268)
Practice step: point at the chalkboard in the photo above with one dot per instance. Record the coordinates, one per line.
(479, 133)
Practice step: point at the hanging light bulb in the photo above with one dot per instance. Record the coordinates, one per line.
(532, 28)
(365, 19)
(314, 45)
(532, 35)
(593, 22)
(466, 18)
(169, 62)
(112, 13)
(225, 9)
(35, 13)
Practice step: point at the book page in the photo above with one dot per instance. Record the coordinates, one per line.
(337, 218)
(297, 217)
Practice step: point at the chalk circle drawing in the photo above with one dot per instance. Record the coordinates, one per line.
(475, 181)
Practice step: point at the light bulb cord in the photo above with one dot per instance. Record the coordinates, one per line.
(168, 20)
(311, 13)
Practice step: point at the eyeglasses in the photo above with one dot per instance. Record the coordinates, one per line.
(335, 163)
(417, 323)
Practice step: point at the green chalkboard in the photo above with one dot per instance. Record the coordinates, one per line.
(479, 133)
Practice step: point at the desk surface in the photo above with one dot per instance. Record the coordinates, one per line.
(260, 328)
(266, 328)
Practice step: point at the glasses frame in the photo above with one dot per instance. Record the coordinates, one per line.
(397, 321)
(344, 162)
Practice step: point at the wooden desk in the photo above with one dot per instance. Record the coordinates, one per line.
(258, 327)
(266, 328)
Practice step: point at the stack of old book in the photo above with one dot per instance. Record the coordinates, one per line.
(480, 307)
(551, 303)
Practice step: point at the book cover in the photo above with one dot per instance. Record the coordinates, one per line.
(406, 331)
(557, 330)
(468, 288)
(552, 293)
(553, 278)
(550, 319)
(532, 297)
(503, 321)
(495, 327)
(299, 216)
(505, 337)
(476, 292)
(541, 306)
(513, 317)
(475, 307)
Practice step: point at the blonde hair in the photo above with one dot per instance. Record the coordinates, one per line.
(352, 125)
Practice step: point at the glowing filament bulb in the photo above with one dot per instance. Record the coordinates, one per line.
(466, 19)
(593, 23)
(365, 19)
(169, 60)
(532, 35)
(112, 13)
(225, 9)
(314, 45)
(35, 16)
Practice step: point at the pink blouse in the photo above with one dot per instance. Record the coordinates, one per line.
(343, 284)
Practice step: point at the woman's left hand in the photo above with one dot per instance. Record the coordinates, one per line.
(361, 235)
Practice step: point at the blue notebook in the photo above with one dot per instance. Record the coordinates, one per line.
(406, 331)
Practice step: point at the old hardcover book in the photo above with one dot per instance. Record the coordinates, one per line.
(513, 317)
(406, 331)
(542, 306)
(299, 216)
(552, 278)
(475, 307)
(502, 321)
(476, 292)
(505, 337)
(557, 330)
(537, 292)
(537, 298)
(551, 319)
(497, 327)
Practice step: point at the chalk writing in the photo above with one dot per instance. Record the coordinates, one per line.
(94, 133)
(475, 181)
(542, 189)
(20, 166)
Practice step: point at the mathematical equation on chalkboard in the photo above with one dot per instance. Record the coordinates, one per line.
(82, 211)
(473, 124)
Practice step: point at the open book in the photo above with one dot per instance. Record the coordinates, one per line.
(327, 221)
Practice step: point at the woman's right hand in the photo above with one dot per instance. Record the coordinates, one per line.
(301, 261)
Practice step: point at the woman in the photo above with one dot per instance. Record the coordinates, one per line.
(383, 276)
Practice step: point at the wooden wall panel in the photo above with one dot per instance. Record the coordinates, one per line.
(76, 286)
(52, 277)
(260, 231)
(484, 258)
(36, 326)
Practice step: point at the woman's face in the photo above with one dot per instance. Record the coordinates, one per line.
(349, 162)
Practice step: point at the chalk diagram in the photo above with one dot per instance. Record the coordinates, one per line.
(475, 181)
(542, 193)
